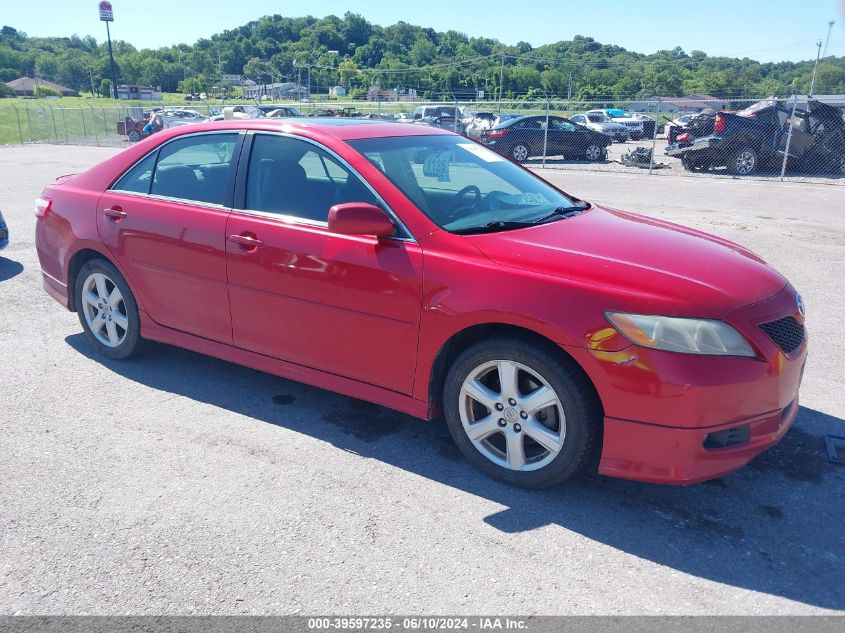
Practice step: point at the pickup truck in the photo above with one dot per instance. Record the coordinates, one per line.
(745, 141)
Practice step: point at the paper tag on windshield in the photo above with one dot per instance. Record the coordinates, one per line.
(483, 153)
(437, 166)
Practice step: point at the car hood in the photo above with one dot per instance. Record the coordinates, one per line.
(644, 265)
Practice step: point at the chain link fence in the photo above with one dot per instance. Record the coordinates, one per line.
(797, 138)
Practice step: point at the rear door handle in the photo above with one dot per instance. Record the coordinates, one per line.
(115, 213)
(247, 241)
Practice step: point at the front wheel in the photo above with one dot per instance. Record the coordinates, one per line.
(134, 136)
(107, 310)
(520, 413)
(594, 153)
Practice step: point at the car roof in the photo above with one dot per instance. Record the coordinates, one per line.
(341, 129)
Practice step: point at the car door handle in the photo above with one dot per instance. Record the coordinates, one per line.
(247, 241)
(115, 213)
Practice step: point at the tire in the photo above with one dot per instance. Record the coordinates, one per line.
(520, 152)
(594, 153)
(743, 162)
(569, 427)
(134, 136)
(110, 321)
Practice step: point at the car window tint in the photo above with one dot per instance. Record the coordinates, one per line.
(564, 126)
(137, 179)
(195, 168)
(296, 178)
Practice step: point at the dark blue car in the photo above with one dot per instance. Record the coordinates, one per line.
(519, 139)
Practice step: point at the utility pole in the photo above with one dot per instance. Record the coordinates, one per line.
(816, 67)
(569, 91)
(501, 79)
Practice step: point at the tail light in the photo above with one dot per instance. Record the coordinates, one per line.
(682, 138)
(719, 123)
(496, 133)
(42, 207)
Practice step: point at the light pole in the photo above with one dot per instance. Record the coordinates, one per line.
(816, 67)
(827, 41)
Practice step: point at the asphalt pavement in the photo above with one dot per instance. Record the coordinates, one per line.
(180, 484)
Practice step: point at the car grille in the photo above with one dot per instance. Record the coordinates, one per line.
(786, 333)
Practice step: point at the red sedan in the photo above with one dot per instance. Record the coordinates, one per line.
(419, 270)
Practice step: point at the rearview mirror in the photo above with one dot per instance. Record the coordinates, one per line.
(359, 218)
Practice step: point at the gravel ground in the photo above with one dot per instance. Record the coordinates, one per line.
(180, 484)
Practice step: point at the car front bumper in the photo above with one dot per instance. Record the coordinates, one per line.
(680, 419)
(666, 455)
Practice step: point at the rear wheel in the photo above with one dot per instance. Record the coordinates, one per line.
(520, 152)
(521, 414)
(743, 162)
(594, 153)
(134, 136)
(107, 310)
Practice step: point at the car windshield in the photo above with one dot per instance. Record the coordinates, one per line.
(597, 118)
(463, 186)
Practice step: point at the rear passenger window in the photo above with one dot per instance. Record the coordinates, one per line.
(137, 179)
(195, 168)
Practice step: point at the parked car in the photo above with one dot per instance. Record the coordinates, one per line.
(419, 270)
(524, 137)
(444, 122)
(175, 117)
(598, 122)
(480, 121)
(634, 122)
(277, 110)
(4, 232)
(748, 140)
(677, 125)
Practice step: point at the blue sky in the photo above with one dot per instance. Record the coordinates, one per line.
(768, 30)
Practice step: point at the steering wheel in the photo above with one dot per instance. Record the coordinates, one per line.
(456, 206)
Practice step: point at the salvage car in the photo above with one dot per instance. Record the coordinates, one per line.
(756, 137)
(599, 122)
(419, 270)
(524, 137)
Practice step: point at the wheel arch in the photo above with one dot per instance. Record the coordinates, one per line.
(79, 259)
(465, 338)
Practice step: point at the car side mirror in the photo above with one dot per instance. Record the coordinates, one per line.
(359, 218)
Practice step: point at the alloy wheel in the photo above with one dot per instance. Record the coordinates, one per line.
(593, 152)
(745, 162)
(512, 415)
(520, 153)
(104, 309)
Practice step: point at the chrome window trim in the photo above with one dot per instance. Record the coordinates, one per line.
(294, 219)
(160, 198)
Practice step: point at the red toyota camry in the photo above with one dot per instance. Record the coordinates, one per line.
(416, 269)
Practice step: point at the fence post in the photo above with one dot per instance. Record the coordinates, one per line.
(84, 129)
(18, 116)
(546, 132)
(64, 126)
(28, 120)
(105, 123)
(788, 136)
(55, 129)
(94, 125)
(654, 139)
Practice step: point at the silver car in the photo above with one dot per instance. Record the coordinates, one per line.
(601, 123)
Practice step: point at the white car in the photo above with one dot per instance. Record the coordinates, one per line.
(597, 121)
(631, 121)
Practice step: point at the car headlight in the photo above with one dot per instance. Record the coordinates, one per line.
(675, 334)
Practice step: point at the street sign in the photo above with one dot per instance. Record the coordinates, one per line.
(106, 14)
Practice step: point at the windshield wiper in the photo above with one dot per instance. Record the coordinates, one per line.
(492, 227)
(564, 212)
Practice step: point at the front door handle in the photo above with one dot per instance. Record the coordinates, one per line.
(115, 213)
(247, 241)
